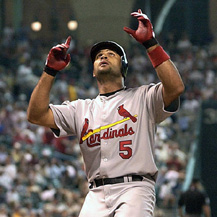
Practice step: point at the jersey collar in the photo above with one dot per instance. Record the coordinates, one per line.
(112, 93)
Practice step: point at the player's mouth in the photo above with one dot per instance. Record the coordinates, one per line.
(103, 63)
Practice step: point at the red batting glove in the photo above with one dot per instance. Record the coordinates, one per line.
(144, 33)
(58, 58)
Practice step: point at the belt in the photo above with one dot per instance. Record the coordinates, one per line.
(121, 179)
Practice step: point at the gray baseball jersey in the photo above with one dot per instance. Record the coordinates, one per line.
(116, 132)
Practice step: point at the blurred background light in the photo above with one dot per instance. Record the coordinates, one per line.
(72, 25)
(36, 26)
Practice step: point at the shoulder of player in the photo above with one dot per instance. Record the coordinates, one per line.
(78, 102)
(143, 88)
(154, 85)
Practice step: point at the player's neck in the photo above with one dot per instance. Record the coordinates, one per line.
(109, 87)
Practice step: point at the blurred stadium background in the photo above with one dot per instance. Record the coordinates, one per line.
(43, 176)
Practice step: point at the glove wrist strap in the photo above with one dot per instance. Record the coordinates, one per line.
(158, 56)
(50, 71)
(151, 42)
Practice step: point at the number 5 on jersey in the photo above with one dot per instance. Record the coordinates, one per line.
(125, 151)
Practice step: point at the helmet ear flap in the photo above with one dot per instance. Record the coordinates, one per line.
(124, 68)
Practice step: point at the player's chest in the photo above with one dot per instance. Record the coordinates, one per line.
(111, 111)
(109, 120)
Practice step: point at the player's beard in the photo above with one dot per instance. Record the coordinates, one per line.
(107, 74)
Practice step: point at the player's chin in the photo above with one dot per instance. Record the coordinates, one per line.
(107, 72)
(104, 67)
(103, 71)
(100, 72)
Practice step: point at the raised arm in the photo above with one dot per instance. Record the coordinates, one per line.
(167, 72)
(38, 110)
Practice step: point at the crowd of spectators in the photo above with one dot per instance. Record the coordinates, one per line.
(43, 176)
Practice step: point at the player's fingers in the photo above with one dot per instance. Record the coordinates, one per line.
(67, 59)
(68, 41)
(135, 14)
(67, 44)
(143, 18)
(60, 47)
(129, 31)
(64, 45)
(138, 15)
(57, 48)
(60, 51)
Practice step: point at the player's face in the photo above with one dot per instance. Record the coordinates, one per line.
(107, 62)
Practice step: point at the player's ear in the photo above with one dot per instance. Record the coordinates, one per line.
(94, 74)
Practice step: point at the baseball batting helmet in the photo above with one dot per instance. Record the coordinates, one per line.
(112, 46)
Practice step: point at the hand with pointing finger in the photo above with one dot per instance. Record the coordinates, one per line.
(58, 58)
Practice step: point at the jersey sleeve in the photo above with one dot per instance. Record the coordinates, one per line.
(156, 108)
(206, 199)
(64, 117)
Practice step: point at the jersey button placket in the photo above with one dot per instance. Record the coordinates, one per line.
(104, 158)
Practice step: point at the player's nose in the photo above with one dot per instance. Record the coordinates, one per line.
(103, 56)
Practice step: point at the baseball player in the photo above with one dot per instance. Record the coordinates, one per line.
(116, 130)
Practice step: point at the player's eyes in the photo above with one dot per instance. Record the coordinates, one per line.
(111, 54)
(98, 55)
(101, 54)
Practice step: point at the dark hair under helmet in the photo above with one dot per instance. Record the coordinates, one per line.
(112, 46)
